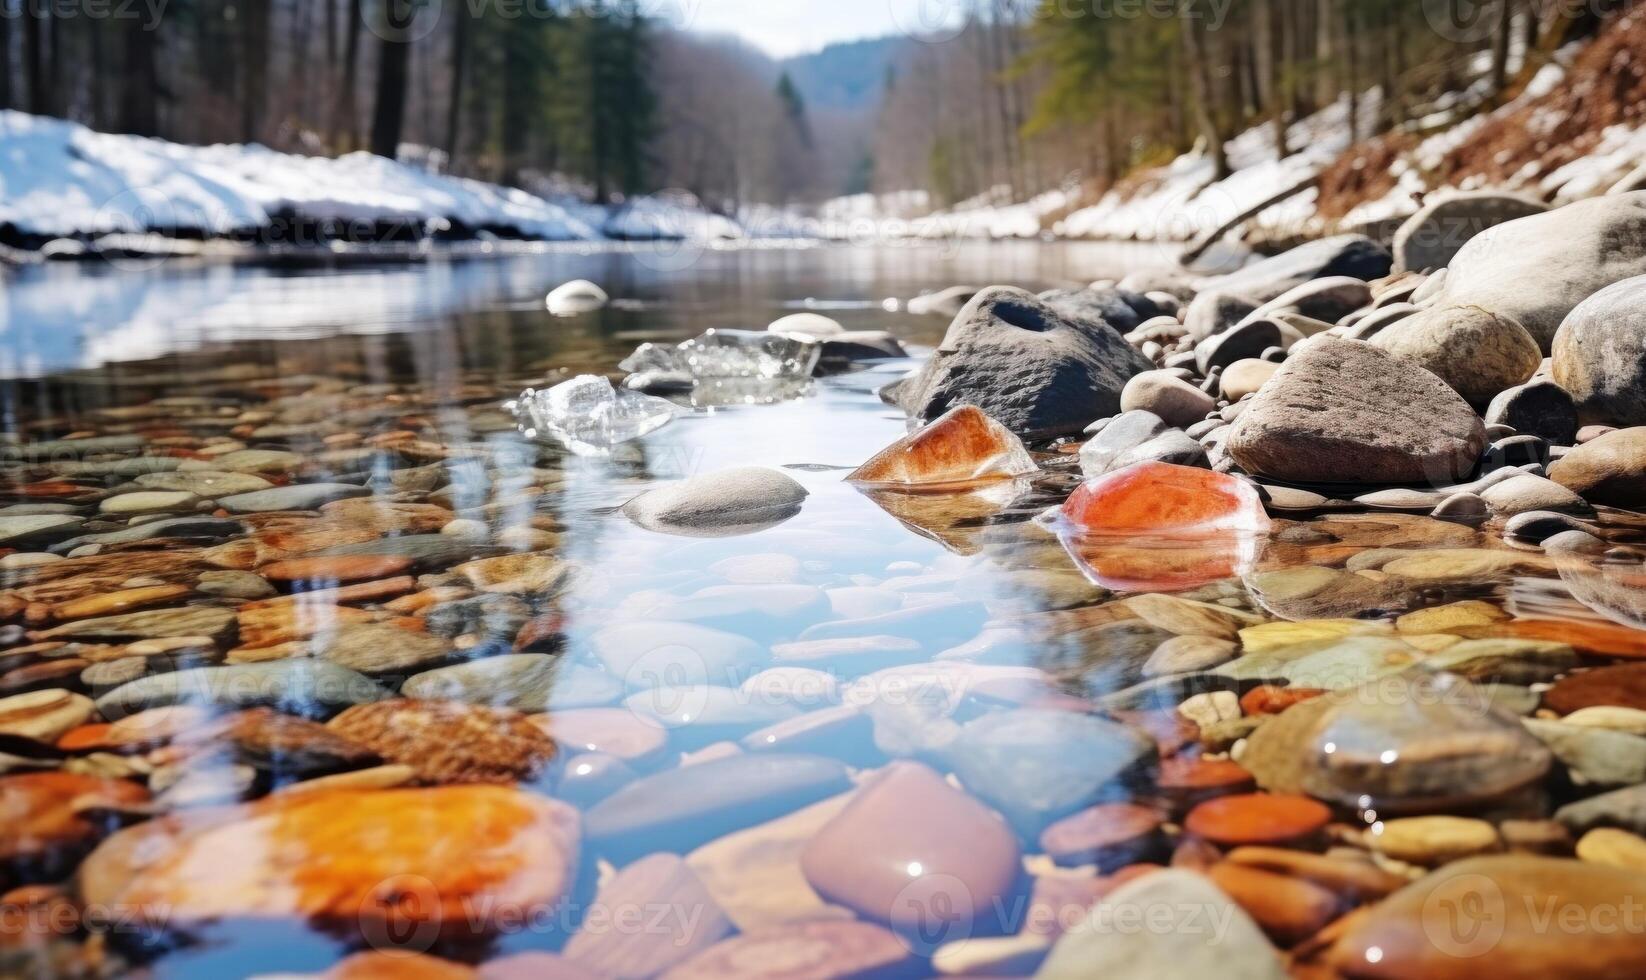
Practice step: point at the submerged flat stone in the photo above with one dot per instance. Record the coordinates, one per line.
(328, 857)
(874, 860)
(680, 809)
(300, 687)
(299, 496)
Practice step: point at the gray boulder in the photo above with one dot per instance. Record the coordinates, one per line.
(1120, 435)
(1215, 311)
(1120, 310)
(1343, 411)
(1249, 339)
(1538, 269)
(1029, 367)
(1328, 300)
(1431, 237)
(1478, 352)
(1355, 256)
(1537, 408)
(1600, 354)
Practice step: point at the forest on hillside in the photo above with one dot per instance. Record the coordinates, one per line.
(599, 98)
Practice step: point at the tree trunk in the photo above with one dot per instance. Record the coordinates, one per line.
(254, 57)
(140, 82)
(5, 63)
(1351, 62)
(1326, 90)
(345, 125)
(34, 55)
(454, 112)
(389, 109)
(1200, 77)
(1500, 46)
(300, 63)
(58, 105)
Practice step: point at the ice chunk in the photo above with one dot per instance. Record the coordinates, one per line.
(589, 415)
(731, 354)
(963, 446)
(577, 296)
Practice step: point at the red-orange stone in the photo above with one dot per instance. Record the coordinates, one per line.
(1180, 776)
(1270, 700)
(1257, 818)
(1162, 498)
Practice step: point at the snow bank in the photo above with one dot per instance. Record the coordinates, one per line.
(1182, 200)
(60, 179)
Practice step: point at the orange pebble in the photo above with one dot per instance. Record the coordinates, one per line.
(1257, 818)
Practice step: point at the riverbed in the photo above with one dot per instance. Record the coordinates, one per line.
(903, 706)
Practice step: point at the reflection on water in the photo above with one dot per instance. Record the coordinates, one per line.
(300, 490)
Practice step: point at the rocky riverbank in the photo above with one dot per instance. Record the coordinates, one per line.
(1247, 624)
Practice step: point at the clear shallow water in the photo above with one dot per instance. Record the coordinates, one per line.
(391, 378)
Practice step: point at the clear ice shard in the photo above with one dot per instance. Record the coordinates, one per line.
(964, 446)
(731, 354)
(589, 415)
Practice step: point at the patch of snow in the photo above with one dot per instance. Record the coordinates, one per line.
(59, 178)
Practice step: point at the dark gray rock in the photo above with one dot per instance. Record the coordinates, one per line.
(1326, 300)
(1538, 526)
(1248, 340)
(1035, 371)
(1215, 311)
(1122, 434)
(1097, 307)
(1538, 408)
(1342, 411)
(1173, 446)
(1355, 256)
(1431, 238)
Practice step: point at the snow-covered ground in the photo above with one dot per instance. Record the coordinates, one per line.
(61, 179)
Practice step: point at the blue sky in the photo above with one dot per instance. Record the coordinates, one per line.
(785, 27)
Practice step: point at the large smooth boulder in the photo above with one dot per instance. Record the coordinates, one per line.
(1478, 352)
(1343, 411)
(1345, 255)
(1600, 354)
(1538, 269)
(1036, 371)
(1432, 237)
